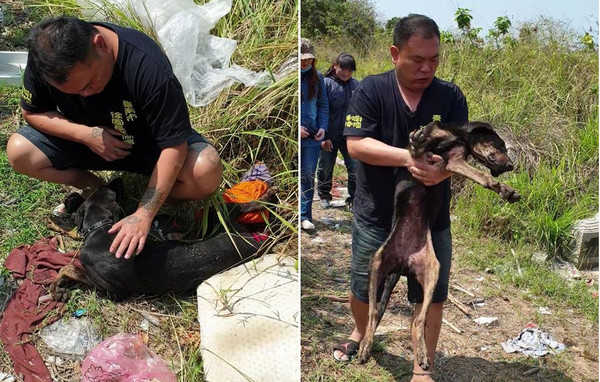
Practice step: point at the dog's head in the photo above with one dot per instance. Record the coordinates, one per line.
(102, 205)
(487, 147)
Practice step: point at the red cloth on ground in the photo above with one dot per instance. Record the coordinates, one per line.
(38, 266)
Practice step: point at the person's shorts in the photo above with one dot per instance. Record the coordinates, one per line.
(366, 240)
(64, 154)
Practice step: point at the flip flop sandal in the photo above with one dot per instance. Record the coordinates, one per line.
(349, 348)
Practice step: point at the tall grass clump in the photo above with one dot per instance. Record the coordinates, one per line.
(542, 95)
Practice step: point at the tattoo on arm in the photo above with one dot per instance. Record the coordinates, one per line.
(132, 219)
(151, 199)
(96, 132)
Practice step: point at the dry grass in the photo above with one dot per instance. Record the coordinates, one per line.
(474, 355)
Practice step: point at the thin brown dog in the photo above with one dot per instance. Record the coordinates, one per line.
(408, 249)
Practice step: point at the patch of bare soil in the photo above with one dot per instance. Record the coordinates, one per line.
(472, 355)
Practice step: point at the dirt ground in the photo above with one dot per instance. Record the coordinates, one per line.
(472, 355)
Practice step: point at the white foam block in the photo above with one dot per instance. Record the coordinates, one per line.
(249, 322)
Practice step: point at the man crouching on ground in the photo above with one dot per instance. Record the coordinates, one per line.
(98, 96)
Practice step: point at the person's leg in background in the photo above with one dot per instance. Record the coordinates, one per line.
(325, 174)
(351, 165)
(309, 157)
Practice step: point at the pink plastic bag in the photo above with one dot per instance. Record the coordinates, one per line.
(124, 358)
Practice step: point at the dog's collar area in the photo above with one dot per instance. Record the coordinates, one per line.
(96, 226)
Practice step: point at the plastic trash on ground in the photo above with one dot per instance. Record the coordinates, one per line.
(6, 378)
(125, 358)
(486, 320)
(70, 336)
(533, 343)
(201, 62)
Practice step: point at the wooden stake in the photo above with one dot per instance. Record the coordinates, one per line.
(459, 288)
(463, 308)
(456, 329)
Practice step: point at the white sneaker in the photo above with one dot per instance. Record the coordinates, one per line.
(307, 225)
(325, 203)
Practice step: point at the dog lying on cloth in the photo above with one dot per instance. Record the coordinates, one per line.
(408, 248)
(162, 266)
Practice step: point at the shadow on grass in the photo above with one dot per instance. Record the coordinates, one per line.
(452, 369)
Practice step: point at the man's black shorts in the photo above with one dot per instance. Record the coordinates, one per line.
(66, 154)
(367, 239)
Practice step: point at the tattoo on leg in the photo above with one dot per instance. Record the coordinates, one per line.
(151, 199)
(96, 132)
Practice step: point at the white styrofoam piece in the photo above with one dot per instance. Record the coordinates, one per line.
(249, 322)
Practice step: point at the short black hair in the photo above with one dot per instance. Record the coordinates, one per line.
(414, 24)
(346, 61)
(343, 60)
(56, 45)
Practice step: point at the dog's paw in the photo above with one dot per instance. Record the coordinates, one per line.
(422, 358)
(418, 141)
(364, 352)
(59, 292)
(509, 194)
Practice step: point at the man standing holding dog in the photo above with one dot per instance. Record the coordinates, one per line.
(98, 96)
(384, 109)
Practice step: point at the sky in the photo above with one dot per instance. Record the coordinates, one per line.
(580, 14)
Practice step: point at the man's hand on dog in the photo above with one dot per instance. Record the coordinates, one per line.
(132, 233)
(429, 169)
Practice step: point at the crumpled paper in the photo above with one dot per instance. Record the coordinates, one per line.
(533, 342)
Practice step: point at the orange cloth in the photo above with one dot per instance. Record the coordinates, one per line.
(245, 192)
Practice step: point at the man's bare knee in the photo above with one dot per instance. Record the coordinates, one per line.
(23, 156)
(201, 174)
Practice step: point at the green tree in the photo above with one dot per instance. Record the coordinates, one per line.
(500, 30)
(588, 41)
(391, 23)
(463, 19)
(352, 19)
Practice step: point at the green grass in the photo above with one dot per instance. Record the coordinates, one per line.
(513, 264)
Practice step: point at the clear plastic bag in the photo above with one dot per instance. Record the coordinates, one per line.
(74, 336)
(125, 358)
(201, 61)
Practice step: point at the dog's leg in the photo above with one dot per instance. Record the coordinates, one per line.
(427, 136)
(426, 271)
(375, 270)
(390, 282)
(459, 166)
(68, 273)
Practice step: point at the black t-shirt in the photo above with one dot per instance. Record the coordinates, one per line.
(143, 99)
(377, 110)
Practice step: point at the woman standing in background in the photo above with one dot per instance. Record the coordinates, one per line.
(339, 85)
(314, 117)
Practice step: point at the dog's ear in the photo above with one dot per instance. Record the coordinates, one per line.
(78, 216)
(116, 185)
(475, 127)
